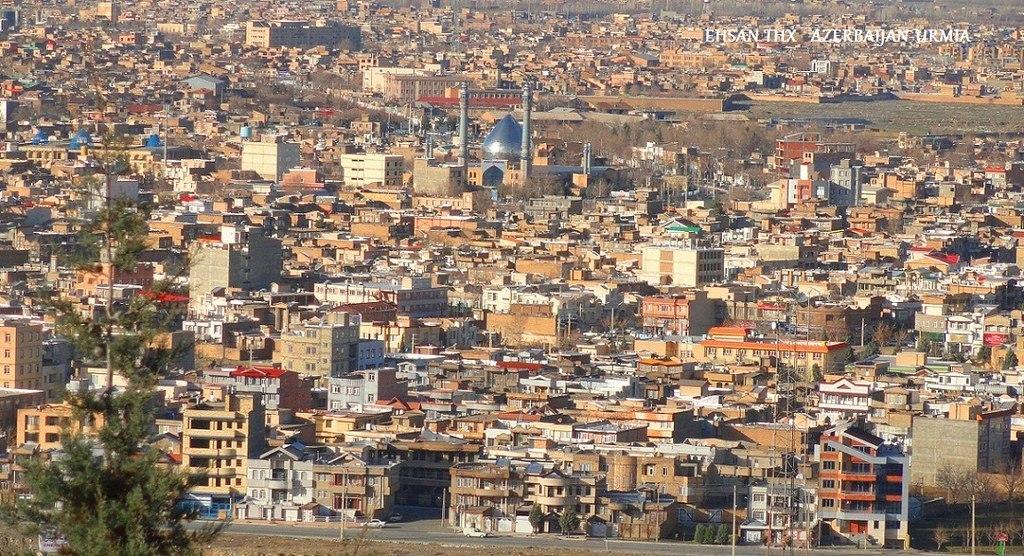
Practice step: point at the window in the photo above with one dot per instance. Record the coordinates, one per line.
(828, 465)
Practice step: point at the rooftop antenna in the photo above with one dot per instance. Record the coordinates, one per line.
(526, 153)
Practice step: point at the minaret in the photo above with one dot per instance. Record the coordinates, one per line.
(588, 158)
(526, 153)
(464, 124)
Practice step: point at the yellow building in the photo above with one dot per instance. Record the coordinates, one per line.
(681, 265)
(270, 157)
(45, 425)
(217, 439)
(733, 345)
(364, 169)
(21, 355)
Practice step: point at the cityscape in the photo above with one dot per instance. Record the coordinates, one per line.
(481, 277)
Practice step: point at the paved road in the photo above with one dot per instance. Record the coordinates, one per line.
(420, 532)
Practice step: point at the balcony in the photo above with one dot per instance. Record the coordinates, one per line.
(212, 452)
(223, 434)
(861, 495)
(552, 481)
(553, 500)
(890, 478)
(858, 476)
(483, 492)
(228, 472)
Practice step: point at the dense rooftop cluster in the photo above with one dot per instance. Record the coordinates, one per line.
(514, 264)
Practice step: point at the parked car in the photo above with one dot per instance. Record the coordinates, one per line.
(474, 532)
(374, 523)
(394, 518)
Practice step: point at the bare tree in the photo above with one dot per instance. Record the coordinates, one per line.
(883, 334)
(941, 536)
(961, 484)
(1010, 481)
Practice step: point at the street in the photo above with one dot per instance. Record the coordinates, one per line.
(430, 532)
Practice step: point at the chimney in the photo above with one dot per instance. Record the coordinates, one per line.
(526, 153)
(464, 124)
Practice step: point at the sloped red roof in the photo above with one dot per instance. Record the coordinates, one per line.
(165, 297)
(259, 372)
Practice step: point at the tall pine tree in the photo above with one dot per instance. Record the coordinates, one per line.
(107, 493)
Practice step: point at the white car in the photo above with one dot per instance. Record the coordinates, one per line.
(373, 523)
(475, 533)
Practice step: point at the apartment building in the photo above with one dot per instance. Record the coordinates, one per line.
(45, 425)
(21, 356)
(360, 481)
(846, 398)
(239, 257)
(365, 387)
(270, 157)
(302, 34)
(12, 400)
(279, 388)
(365, 169)
(779, 512)
(321, 349)
(415, 296)
(864, 488)
(681, 265)
(425, 475)
(409, 88)
(489, 485)
(218, 439)
(279, 483)
(969, 436)
(690, 313)
(727, 344)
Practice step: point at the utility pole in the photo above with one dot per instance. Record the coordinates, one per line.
(733, 520)
(974, 544)
(344, 502)
(444, 505)
(108, 247)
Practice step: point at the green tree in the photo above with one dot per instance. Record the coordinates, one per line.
(108, 493)
(536, 517)
(1010, 359)
(569, 521)
(984, 355)
(816, 373)
(867, 350)
(698, 533)
(722, 535)
(705, 534)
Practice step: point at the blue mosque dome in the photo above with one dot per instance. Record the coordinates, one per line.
(504, 140)
(80, 138)
(153, 141)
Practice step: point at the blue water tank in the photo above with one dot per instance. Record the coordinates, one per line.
(153, 142)
(40, 138)
(79, 139)
(246, 132)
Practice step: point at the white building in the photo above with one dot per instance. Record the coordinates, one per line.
(279, 482)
